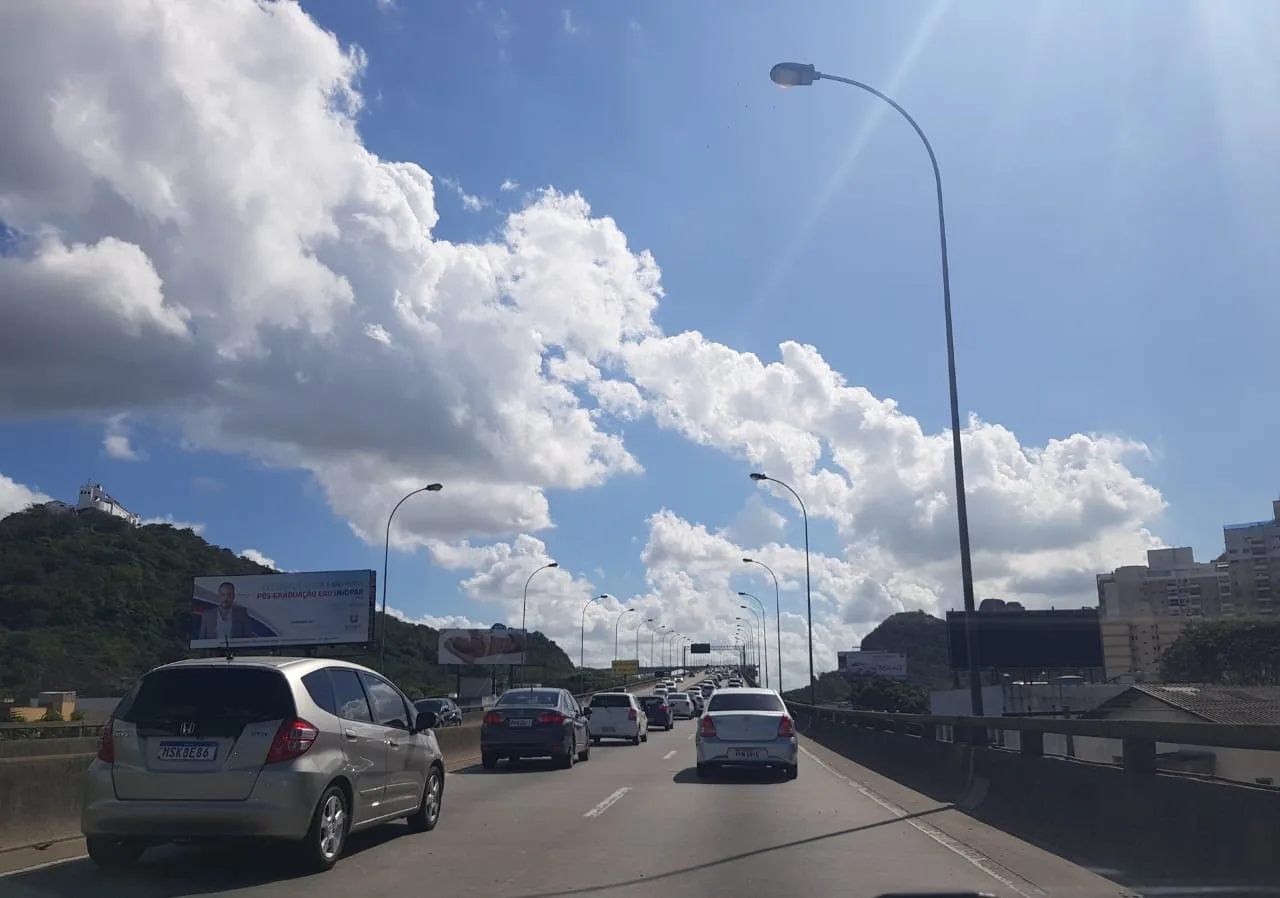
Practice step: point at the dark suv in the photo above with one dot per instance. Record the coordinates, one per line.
(657, 710)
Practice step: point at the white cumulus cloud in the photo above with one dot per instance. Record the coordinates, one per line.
(203, 237)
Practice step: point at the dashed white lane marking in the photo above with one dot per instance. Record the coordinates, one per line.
(608, 802)
(669, 755)
(1001, 875)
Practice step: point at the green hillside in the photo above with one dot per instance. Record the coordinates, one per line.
(922, 638)
(88, 602)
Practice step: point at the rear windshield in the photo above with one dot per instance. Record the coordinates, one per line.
(652, 701)
(540, 697)
(237, 695)
(745, 701)
(678, 697)
(611, 701)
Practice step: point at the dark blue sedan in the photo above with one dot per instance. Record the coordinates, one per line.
(657, 710)
(535, 723)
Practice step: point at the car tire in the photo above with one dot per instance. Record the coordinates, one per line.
(567, 756)
(670, 727)
(635, 739)
(488, 760)
(322, 846)
(111, 854)
(644, 737)
(793, 771)
(425, 818)
(704, 772)
(596, 740)
(585, 754)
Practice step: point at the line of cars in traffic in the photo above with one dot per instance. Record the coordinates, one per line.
(310, 750)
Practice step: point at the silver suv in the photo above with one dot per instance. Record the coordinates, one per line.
(302, 749)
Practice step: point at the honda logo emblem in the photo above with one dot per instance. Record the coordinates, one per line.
(187, 728)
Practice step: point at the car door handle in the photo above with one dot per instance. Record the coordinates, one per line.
(393, 743)
(351, 736)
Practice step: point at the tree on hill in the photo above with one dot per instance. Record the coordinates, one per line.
(922, 638)
(89, 602)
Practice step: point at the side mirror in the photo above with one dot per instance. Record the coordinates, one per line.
(426, 720)
(586, 712)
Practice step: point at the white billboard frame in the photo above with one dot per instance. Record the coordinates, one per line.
(300, 608)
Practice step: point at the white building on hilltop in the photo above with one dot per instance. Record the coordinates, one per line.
(93, 496)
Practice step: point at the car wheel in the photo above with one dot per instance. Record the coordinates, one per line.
(595, 740)
(488, 760)
(323, 843)
(703, 771)
(793, 771)
(566, 759)
(113, 855)
(425, 818)
(636, 739)
(644, 737)
(670, 727)
(585, 754)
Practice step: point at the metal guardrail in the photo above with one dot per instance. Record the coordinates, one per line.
(48, 730)
(1257, 737)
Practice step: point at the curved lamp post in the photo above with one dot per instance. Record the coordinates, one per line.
(582, 639)
(621, 615)
(795, 74)
(647, 620)
(764, 633)
(808, 591)
(524, 608)
(386, 557)
(777, 609)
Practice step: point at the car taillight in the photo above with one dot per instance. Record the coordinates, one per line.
(708, 727)
(631, 715)
(107, 742)
(551, 717)
(786, 728)
(292, 740)
(493, 718)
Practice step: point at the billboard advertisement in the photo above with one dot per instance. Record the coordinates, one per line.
(626, 667)
(267, 610)
(1029, 640)
(497, 645)
(875, 664)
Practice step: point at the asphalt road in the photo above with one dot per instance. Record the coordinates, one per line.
(632, 821)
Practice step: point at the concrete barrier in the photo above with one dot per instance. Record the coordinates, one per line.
(1142, 828)
(40, 793)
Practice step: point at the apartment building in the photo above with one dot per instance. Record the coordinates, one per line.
(1144, 608)
(1253, 565)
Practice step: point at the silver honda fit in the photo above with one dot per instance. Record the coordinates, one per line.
(301, 749)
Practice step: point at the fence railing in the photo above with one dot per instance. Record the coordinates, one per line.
(1138, 738)
(48, 730)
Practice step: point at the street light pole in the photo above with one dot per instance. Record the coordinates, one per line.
(764, 632)
(621, 615)
(582, 640)
(777, 609)
(793, 74)
(386, 557)
(648, 620)
(808, 591)
(524, 609)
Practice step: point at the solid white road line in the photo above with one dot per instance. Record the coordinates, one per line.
(988, 866)
(669, 755)
(34, 867)
(608, 802)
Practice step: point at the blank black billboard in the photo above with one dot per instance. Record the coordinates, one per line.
(1029, 640)
(700, 648)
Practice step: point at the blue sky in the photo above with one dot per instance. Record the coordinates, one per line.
(1110, 200)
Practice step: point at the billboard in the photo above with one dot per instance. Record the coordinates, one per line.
(626, 667)
(267, 610)
(497, 645)
(1029, 640)
(700, 648)
(875, 664)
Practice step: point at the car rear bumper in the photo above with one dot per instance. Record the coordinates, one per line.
(280, 807)
(764, 753)
(616, 731)
(515, 744)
